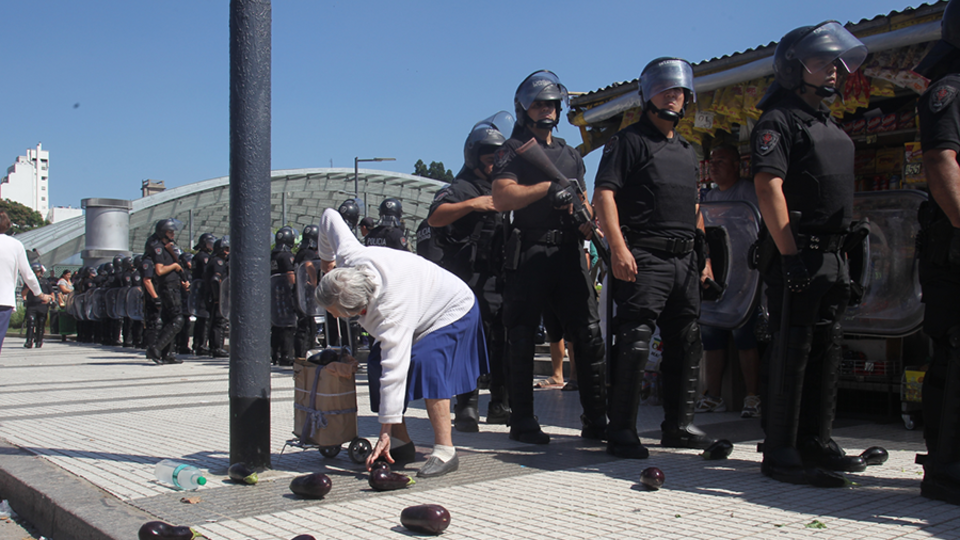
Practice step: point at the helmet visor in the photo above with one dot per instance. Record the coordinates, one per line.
(826, 44)
(664, 75)
(544, 86)
(502, 122)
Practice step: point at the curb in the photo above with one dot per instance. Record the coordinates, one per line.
(61, 505)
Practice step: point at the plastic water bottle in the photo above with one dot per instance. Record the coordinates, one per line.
(179, 475)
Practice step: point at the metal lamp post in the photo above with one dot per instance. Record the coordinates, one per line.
(356, 177)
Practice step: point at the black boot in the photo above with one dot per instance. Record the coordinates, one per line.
(519, 354)
(589, 354)
(466, 413)
(941, 470)
(632, 352)
(680, 370)
(498, 411)
(167, 334)
(818, 404)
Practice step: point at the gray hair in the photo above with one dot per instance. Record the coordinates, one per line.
(350, 290)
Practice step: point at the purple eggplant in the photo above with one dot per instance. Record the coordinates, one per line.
(158, 530)
(311, 486)
(718, 450)
(875, 455)
(386, 480)
(425, 518)
(652, 478)
(380, 464)
(241, 474)
(305, 537)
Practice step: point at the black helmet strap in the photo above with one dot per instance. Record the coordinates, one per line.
(664, 114)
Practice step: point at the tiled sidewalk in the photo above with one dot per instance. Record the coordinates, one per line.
(108, 416)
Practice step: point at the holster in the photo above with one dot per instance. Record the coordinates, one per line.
(512, 250)
(853, 248)
(702, 248)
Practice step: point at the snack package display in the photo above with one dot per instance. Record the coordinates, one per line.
(913, 164)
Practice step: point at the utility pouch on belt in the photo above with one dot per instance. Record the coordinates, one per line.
(702, 249)
(512, 251)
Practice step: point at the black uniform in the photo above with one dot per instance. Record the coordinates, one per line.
(426, 243)
(132, 330)
(281, 338)
(472, 248)
(152, 320)
(168, 290)
(654, 180)
(183, 338)
(387, 236)
(214, 272)
(201, 327)
(36, 315)
(545, 268)
(939, 111)
(814, 157)
(306, 335)
(113, 327)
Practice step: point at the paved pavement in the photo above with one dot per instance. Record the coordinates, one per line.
(84, 427)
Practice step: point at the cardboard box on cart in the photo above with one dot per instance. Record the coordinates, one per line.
(331, 418)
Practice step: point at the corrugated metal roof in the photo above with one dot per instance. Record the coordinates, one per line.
(865, 27)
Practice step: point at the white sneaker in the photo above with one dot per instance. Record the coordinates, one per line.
(708, 403)
(751, 407)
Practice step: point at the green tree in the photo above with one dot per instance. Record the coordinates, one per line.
(23, 217)
(436, 170)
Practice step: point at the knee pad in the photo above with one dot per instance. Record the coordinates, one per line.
(634, 340)
(177, 323)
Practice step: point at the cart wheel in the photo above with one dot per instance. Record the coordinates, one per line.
(359, 450)
(329, 451)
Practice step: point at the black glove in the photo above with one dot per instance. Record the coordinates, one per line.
(795, 273)
(954, 253)
(559, 197)
(157, 304)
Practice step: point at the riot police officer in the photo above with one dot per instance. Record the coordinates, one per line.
(544, 262)
(183, 338)
(136, 280)
(126, 283)
(36, 308)
(201, 327)
(161, 250)
(426, 243)
(803, 162)
(939, 112)
(389, 231)
(469, 232)
(646, 197)
(214, 273)
(306, 335)
(281, 263)
(350, 212)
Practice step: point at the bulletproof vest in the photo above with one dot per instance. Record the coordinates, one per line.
(199, 262)
(383, 236)
(427, 243)
(820, 179)
(305, 254)
(541, 215)
(660, 197)
(281, 262)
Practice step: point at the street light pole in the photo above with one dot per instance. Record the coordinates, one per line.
(356, 177)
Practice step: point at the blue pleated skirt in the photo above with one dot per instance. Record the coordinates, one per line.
(443, 364)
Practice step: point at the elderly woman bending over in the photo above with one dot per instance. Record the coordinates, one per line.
(428, 325)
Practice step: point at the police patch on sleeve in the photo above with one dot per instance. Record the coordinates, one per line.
(611, 145)
(502, 157)
(766, 141)
(941, 97)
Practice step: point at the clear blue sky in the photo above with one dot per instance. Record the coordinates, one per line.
(381, 78)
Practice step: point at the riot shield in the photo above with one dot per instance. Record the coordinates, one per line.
(889, 269)
(99, 304)
(135, 303)
(197, 299)
(69, 304)
(732, 227)
(80, 306)
(225, 297)
(121, 302)
(282, 303)
(307, 278)
(110, 303)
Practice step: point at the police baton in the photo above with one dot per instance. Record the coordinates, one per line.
(777, 371)
(534, 155)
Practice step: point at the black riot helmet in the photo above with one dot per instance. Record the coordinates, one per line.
(948, 48)
(137, 259)
(485, 137)
(165, 225)
(205, 242)
(222, 246)
(117, 262)
(286, 237)
(36, 267)
(813, 48)
(390, 212)
(540, 85)
(127, 263)
(350, 212)
(663, 74)
(91, 272)
(311, 237)
(105, 269)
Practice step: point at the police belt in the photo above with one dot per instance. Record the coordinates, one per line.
(829, 243)
(551, 237)
(673, 246)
